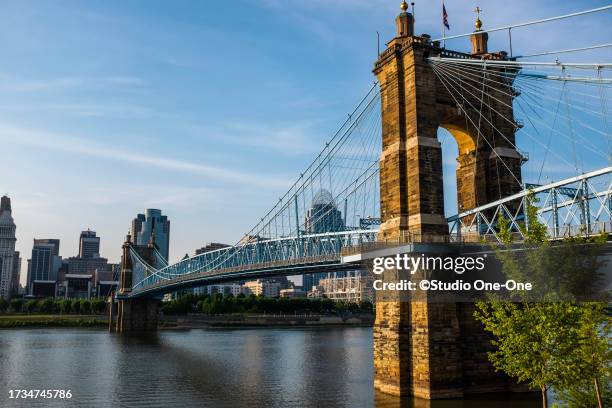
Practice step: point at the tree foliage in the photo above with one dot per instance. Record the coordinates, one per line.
(552, 337)
(55, 306)
(219, 304)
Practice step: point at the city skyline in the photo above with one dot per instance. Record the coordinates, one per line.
(136, 111)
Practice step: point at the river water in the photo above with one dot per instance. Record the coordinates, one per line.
(330, 367)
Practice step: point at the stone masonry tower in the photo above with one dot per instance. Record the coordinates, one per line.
(420, 348)
(134, 314)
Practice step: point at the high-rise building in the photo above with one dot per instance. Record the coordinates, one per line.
(16, 275)
(87, 274)
(321, 217)
(7, 248)
(89, 245)
(149, 223)
(43, 267)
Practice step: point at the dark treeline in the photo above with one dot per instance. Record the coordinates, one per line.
(53, 306)
(219, 304)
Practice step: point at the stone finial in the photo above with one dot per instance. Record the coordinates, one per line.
(479, 39)
(405, 22)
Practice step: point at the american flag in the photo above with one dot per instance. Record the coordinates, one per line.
(445, 17)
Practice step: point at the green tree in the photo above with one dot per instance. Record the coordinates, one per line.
(548, 339)
(533, 342)
(75, 306)
(65, 306)
(16, 305)
(3, 305)
(366, 306)
(45, 305)
(30, 306)
(594, 355)
(85, 306)
(98, 306)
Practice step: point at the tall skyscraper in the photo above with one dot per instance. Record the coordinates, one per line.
(43, 267)
(322, 216)
(16, 275)
(7, 247)
(89, 245)
(152, 221)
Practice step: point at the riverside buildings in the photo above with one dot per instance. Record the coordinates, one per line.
(89, 245)
(43, 268)
(263, 287)
(9, 259)
(83, 276)
(355, 289)
(322, 216)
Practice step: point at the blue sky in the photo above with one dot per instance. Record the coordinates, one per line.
(207, 110)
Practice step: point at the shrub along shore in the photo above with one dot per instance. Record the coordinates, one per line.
(53, 313)
(92, 313)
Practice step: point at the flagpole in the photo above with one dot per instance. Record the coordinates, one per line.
(443, 29)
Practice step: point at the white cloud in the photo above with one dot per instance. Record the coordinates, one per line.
(288, 139)
(121, 153)
(85, 109)
(14, 84)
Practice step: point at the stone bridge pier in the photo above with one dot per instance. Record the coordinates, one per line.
(133, 315)
(434, 350)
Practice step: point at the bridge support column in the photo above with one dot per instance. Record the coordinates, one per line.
(133, 314)
(137, 315)
(416, 351)
(430, 349)
(425, 349)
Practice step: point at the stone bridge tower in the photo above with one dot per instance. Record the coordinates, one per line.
(133, 314)
(421, 349)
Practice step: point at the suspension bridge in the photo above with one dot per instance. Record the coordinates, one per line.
(379, 178)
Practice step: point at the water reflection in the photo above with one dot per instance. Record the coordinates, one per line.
(220, 368)
(494, 401)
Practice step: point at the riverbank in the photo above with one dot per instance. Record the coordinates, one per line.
(29, 320)
(196, 321)
(189, 321)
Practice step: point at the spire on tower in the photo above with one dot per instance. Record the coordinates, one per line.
(478, 23)
(405, 22)
(479, 39)
(5, 204)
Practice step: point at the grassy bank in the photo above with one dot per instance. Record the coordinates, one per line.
(24, 320)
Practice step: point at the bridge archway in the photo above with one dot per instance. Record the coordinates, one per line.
(470, 186)
(415, 103)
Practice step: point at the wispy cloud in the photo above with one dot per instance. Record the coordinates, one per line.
(86, 109)
(15, 84)
(79, 146)
(290, 139)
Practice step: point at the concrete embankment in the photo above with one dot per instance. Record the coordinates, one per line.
(203, 321)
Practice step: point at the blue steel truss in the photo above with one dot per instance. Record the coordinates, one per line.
(291, 255)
